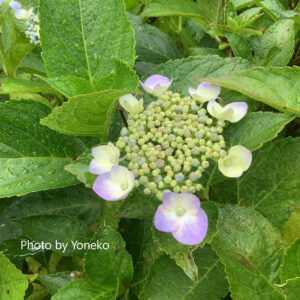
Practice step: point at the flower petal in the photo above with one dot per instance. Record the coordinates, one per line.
(114, 185)
(1, 2)
(243, 156)
(193, 229)
(215, 109)
(156, 84)
(235, 111)
(187, 201)
(229, 171)
(165, 220)
(206, 92)
(105, 156)
(236, 162)
(21, 14)
(131, 104)
(15, 4)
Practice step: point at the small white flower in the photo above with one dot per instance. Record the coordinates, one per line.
(236, 162)
(205, 92)
(115, 184)
(22, 14)
(15, 4)
(232, 112)
(105, 157)
(131, 104)
(156, 85)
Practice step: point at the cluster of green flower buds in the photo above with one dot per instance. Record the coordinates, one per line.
(33, 28)
(168, 144)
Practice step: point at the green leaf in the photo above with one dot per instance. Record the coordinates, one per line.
(280, 36)
(70, 86)
(73, 201)
(138, 206)
(110, 266)
(56, 281)
(212, 11)
(13, 57)
(82, 40)
(183, 254)
(250, 249)
(255, 129)
(244, 3)
(291, 228)
(291, 262)
(167, 281)
(56, 228)
(271, 185)
(239, 46)
(33, 63)
(85, 289)
(17, 85)
(206, 51)
(85, 115)
(152, 45)
(80, 168)
(185, 71)
(32, 157)
(13, 283)
(159, 8)
(122, 77)
(292, 289)
(277, 87)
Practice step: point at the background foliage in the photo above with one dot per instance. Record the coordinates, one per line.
(57, 101)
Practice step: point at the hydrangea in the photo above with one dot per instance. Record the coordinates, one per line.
(232, 112)
(205, 92)
(131, 104)
(236, 162)
(181, 215)
(156, 85)
(105, 157)
(166, 147)
(115, 184)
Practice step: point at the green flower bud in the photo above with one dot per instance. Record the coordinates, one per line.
(198, 187)
(184, 189)
(177, 189)
(161, 185)
(205, 164)
(136, 183)
(147, 191)
(167, 180)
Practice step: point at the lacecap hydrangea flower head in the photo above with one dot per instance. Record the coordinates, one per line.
(166, 147)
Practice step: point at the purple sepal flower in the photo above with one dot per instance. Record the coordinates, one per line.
(1, 2)
(115, 184)
(15, 4)
(182, 215)
(156, 84)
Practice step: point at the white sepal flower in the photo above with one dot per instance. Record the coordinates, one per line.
(205, 92)
(22, 14)
(156, 85)
(131, 104)
(236, 162)
(115, 184)
(232, 112)
(105, 157)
